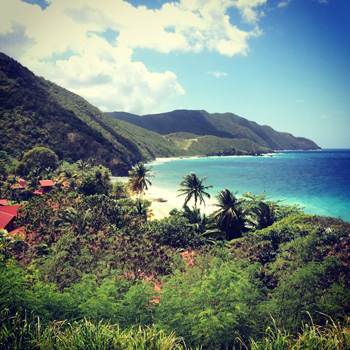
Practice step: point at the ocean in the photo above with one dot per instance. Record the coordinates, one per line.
(318, 181)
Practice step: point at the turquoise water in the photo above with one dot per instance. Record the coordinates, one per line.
(319, 181)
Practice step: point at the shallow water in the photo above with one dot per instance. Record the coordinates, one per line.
(319, 181)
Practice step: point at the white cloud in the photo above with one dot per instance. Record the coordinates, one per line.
(104, 71)
(284, 3)
(218, 74)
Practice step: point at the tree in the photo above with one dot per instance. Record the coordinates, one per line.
(68, 179)
(138, 181)
(229, 217)
(119, 190)
(83, 166)
(39, 157)
(97, 182)
(193, 187)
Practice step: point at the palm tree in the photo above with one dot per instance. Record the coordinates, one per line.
(229, 216)
(77, 221)
(196, 220)
(83, 166)
(68, 178)
(138, 181)
(193, 187)
(259, 212)
(119, 190)
(102, 179)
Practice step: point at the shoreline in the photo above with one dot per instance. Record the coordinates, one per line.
(163, 201)
(170, 159)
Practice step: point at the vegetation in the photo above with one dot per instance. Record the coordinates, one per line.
(93, 269)
(215, 133)
(38, 158)
(37, 113)
(89, 269)
(138, 181)
(192, 187)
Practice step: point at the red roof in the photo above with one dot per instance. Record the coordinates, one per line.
(20, 184)
(5, 219)
(7, 214)
(3, 202)
(10, 209)
(39, 191)
(46, 183)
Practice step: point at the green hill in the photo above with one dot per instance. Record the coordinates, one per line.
(36, 112)
(227, 126)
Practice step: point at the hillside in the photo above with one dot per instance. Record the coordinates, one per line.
(227, 126)
(36, 112)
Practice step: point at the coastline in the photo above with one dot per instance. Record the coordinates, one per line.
(165, 200)
(170, 159)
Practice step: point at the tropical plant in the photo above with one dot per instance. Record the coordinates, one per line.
(193, 188)
(139, 179)
(119, 190)
(195, 219)
(229, 217)
(98, 181)
(68, 179)
(83, 165)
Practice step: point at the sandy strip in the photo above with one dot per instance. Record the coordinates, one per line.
(164, 200)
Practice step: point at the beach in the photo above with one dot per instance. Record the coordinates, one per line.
(165, 200)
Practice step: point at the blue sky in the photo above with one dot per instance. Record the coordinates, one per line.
(284, 63)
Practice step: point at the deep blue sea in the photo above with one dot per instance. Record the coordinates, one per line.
(318, 181)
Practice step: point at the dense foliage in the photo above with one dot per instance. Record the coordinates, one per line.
(92, 268)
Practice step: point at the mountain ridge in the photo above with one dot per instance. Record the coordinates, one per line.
(223, 125)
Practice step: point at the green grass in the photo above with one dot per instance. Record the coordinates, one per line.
(26, 332)
(331, 336)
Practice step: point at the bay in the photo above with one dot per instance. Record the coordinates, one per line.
(318, 181)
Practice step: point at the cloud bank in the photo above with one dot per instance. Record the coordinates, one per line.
(87, 46)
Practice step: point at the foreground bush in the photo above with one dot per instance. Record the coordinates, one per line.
(27, 333)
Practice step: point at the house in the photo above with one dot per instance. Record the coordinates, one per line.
(18, 190)
(3, 202)
(8, 214)
(46, 187)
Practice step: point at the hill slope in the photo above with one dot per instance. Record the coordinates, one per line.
(36, 112)
(227, 125)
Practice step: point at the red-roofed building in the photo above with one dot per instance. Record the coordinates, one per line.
(7, 215)
(3, 202)
(46, 187)
(18, 190)
(21, 184)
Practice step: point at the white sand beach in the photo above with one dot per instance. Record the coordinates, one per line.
(164, 200)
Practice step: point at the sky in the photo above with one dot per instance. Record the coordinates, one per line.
(282, 63)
